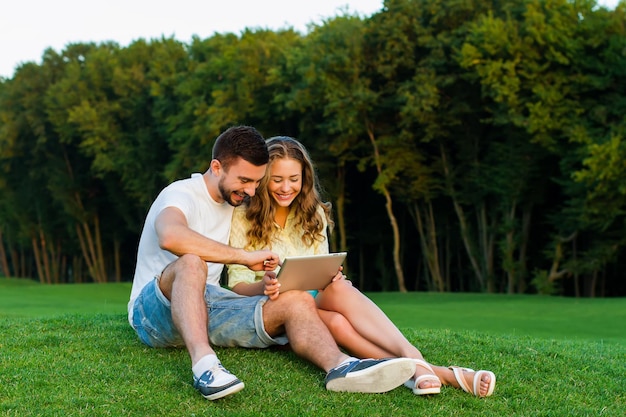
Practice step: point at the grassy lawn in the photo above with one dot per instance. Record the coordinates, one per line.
(27, 298)
(69, 351)
(602, 320)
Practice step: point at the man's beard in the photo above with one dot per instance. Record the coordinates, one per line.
(228, 194)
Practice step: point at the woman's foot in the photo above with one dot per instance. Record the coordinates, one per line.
(424, 381)
(479, 383)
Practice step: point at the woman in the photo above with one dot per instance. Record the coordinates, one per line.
(289, 217)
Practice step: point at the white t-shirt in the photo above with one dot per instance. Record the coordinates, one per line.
(204, 215)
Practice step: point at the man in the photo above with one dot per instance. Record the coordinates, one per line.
(176, 299)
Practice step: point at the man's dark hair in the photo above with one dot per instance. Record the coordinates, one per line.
(240, 142)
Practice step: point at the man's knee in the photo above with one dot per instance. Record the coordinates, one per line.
(294, 302)
(187, 267)
(299, 298)
(191, 264)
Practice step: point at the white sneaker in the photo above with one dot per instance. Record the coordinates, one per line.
(217, 382)
(370, 375)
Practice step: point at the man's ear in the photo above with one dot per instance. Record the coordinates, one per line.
(216, 167)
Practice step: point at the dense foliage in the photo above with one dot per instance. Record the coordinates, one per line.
(466, 145)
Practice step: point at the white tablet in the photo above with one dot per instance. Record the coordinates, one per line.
(312, 272)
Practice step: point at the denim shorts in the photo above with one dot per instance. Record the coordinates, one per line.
(234, 320)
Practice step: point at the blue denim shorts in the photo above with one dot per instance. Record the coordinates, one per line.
(234, 320)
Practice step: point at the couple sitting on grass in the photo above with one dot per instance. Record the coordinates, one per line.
(176, 299)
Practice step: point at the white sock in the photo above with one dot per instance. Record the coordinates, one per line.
(348, 360)
(204, 364)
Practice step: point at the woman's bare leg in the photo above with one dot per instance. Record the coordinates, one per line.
(447, 378)
(372, 324)
(348, 338)
(366, 318)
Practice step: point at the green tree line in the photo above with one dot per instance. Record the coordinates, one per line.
(466, 145)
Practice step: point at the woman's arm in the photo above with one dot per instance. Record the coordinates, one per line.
(267, 286)
(246, 288)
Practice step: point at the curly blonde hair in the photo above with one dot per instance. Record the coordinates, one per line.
(261, 209)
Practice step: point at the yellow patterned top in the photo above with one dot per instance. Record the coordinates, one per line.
(287, 242)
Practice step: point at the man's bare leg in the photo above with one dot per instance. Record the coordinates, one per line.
(295, 313)
(183, 283)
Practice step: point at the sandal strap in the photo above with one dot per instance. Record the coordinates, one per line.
(425, 377)
(477, 379)
(424, 364)
(458, 374)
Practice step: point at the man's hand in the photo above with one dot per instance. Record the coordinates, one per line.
(271, 285)
(263, 260)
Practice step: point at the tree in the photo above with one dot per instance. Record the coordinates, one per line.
(333, 80)
(544, 67)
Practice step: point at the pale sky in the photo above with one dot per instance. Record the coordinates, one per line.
(28, 27)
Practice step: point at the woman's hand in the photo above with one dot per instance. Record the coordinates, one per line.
(271, 285)
(339, 275)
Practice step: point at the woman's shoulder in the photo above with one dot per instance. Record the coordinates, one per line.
(321, 210)
(239, 227)
(239, 215)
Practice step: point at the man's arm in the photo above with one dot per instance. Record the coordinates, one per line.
(176, 237)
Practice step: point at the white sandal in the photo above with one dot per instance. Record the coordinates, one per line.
(458, 374)
(414, 383)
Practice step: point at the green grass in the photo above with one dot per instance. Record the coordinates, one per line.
(601, 319)
(27, 298)
(69, 351)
